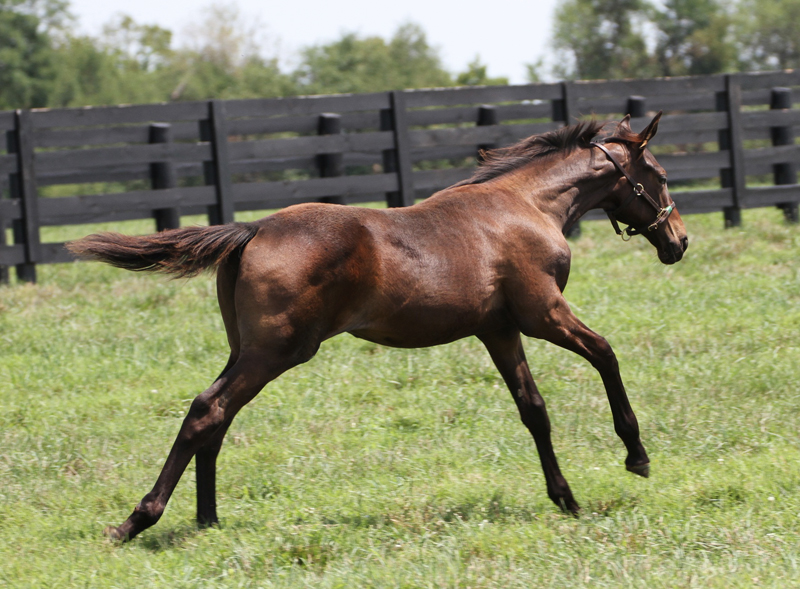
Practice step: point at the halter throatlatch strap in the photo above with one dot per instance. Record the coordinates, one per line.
(662, 213)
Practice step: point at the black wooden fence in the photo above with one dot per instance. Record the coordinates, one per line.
(727, 142)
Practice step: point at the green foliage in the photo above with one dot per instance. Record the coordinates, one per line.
(769, 33)
(695, 38)
(377, 467)
(355, 64)
(25, 56)
(601, 39)
(476, 75)
(604, 39)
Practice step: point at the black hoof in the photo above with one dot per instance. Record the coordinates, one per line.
(569, 506)
(643, 470)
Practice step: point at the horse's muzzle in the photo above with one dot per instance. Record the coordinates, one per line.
(674, 251)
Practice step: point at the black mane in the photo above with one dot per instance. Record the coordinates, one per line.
(505, 159)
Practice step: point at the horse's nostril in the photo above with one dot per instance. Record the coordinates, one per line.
(685, 243)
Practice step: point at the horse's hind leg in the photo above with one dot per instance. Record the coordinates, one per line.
(508, 355)
(206, 457)
(210, 411)
(206, 469)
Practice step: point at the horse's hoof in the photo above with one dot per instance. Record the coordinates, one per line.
(643, 470)
(569, 506)
(113, 533)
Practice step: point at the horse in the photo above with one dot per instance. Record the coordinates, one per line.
(486, 257)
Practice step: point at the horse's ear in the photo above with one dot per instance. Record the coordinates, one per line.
(624, 125)
(649, 131)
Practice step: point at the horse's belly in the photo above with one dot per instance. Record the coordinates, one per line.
(424, 327)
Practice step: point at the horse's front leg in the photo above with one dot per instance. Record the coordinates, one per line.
(561, 327)
(506, 351)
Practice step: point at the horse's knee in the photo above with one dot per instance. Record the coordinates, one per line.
(602, 354)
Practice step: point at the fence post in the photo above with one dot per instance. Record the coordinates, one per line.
(4, 270)
(730, 139)
(636, 107)
(217, 172)
(785, 173)
(162, 175)
(22, 185)
(563, 110)
(487, 116)
(330, 165)
(398, 160)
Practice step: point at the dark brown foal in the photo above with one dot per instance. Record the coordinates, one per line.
(486, 257)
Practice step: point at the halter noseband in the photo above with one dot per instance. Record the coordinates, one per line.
(662, 213)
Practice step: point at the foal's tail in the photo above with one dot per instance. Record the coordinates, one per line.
(181, 252)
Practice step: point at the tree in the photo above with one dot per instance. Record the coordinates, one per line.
(769, 33)
(355, 64)
(25, 55)
(225, 59)
(476, 75)
(601, 39)
(694, 38)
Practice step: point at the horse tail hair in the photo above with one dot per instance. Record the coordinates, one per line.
(181, 252)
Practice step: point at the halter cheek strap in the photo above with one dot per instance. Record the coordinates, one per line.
(662, 213)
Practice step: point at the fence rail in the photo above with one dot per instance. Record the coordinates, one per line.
(727, 142)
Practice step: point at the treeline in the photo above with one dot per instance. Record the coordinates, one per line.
(44, 63)
(607, 39)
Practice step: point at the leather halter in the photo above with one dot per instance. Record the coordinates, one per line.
(662, 213)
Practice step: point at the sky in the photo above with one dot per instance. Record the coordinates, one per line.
(506, 34)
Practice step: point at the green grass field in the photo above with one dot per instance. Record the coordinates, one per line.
(376, 467)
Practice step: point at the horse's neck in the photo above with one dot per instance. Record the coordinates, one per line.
(567, 189)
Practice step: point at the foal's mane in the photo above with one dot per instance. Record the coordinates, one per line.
(506, 159)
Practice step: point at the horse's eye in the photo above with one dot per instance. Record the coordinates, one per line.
(662, 179)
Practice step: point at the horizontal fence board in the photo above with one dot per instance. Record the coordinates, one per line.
(116, 115)
(56, 253)
(713, 160)
(771, 155)
(301, 125)
(645, 87)
(118, 173)
(10, 209)
(110, 135)
(771, 118)
(12, 254)
(268, 192)
(691, 174)
(8, 164)
(89, 209)
(682, 102)
(771, 195)
(442, 116)
(304, 105)
(130, 154)
(709, 199)
(469, 114)
(769, 79)
(446, 152)
(525, 110)
(619, 104)
(480, 95)
(429, 180)
(474, 135)
(318, 144)
(7, 121)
